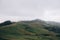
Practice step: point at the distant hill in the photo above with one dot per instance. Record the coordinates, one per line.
(29, 30)
(6, 23)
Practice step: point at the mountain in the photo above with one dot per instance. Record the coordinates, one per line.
(28, 30)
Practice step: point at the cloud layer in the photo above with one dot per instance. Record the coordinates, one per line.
(42, 9)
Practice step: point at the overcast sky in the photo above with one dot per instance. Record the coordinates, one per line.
(16, 10)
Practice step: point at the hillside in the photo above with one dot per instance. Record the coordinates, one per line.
(28, 30)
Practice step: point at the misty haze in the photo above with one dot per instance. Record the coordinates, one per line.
(29, 19)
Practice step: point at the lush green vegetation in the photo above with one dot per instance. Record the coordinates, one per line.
(27, 30)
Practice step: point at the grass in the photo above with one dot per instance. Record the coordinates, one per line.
(22, 31)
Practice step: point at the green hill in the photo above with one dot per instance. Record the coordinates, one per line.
(27, 30)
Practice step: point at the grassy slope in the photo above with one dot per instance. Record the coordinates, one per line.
(23, 31)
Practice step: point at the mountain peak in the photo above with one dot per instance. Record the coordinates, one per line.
(37, 19)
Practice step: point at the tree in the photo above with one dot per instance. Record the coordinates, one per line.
(5, 23)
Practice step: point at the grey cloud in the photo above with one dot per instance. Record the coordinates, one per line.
(29, 8)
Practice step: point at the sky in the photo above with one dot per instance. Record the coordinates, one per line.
(16, 10)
